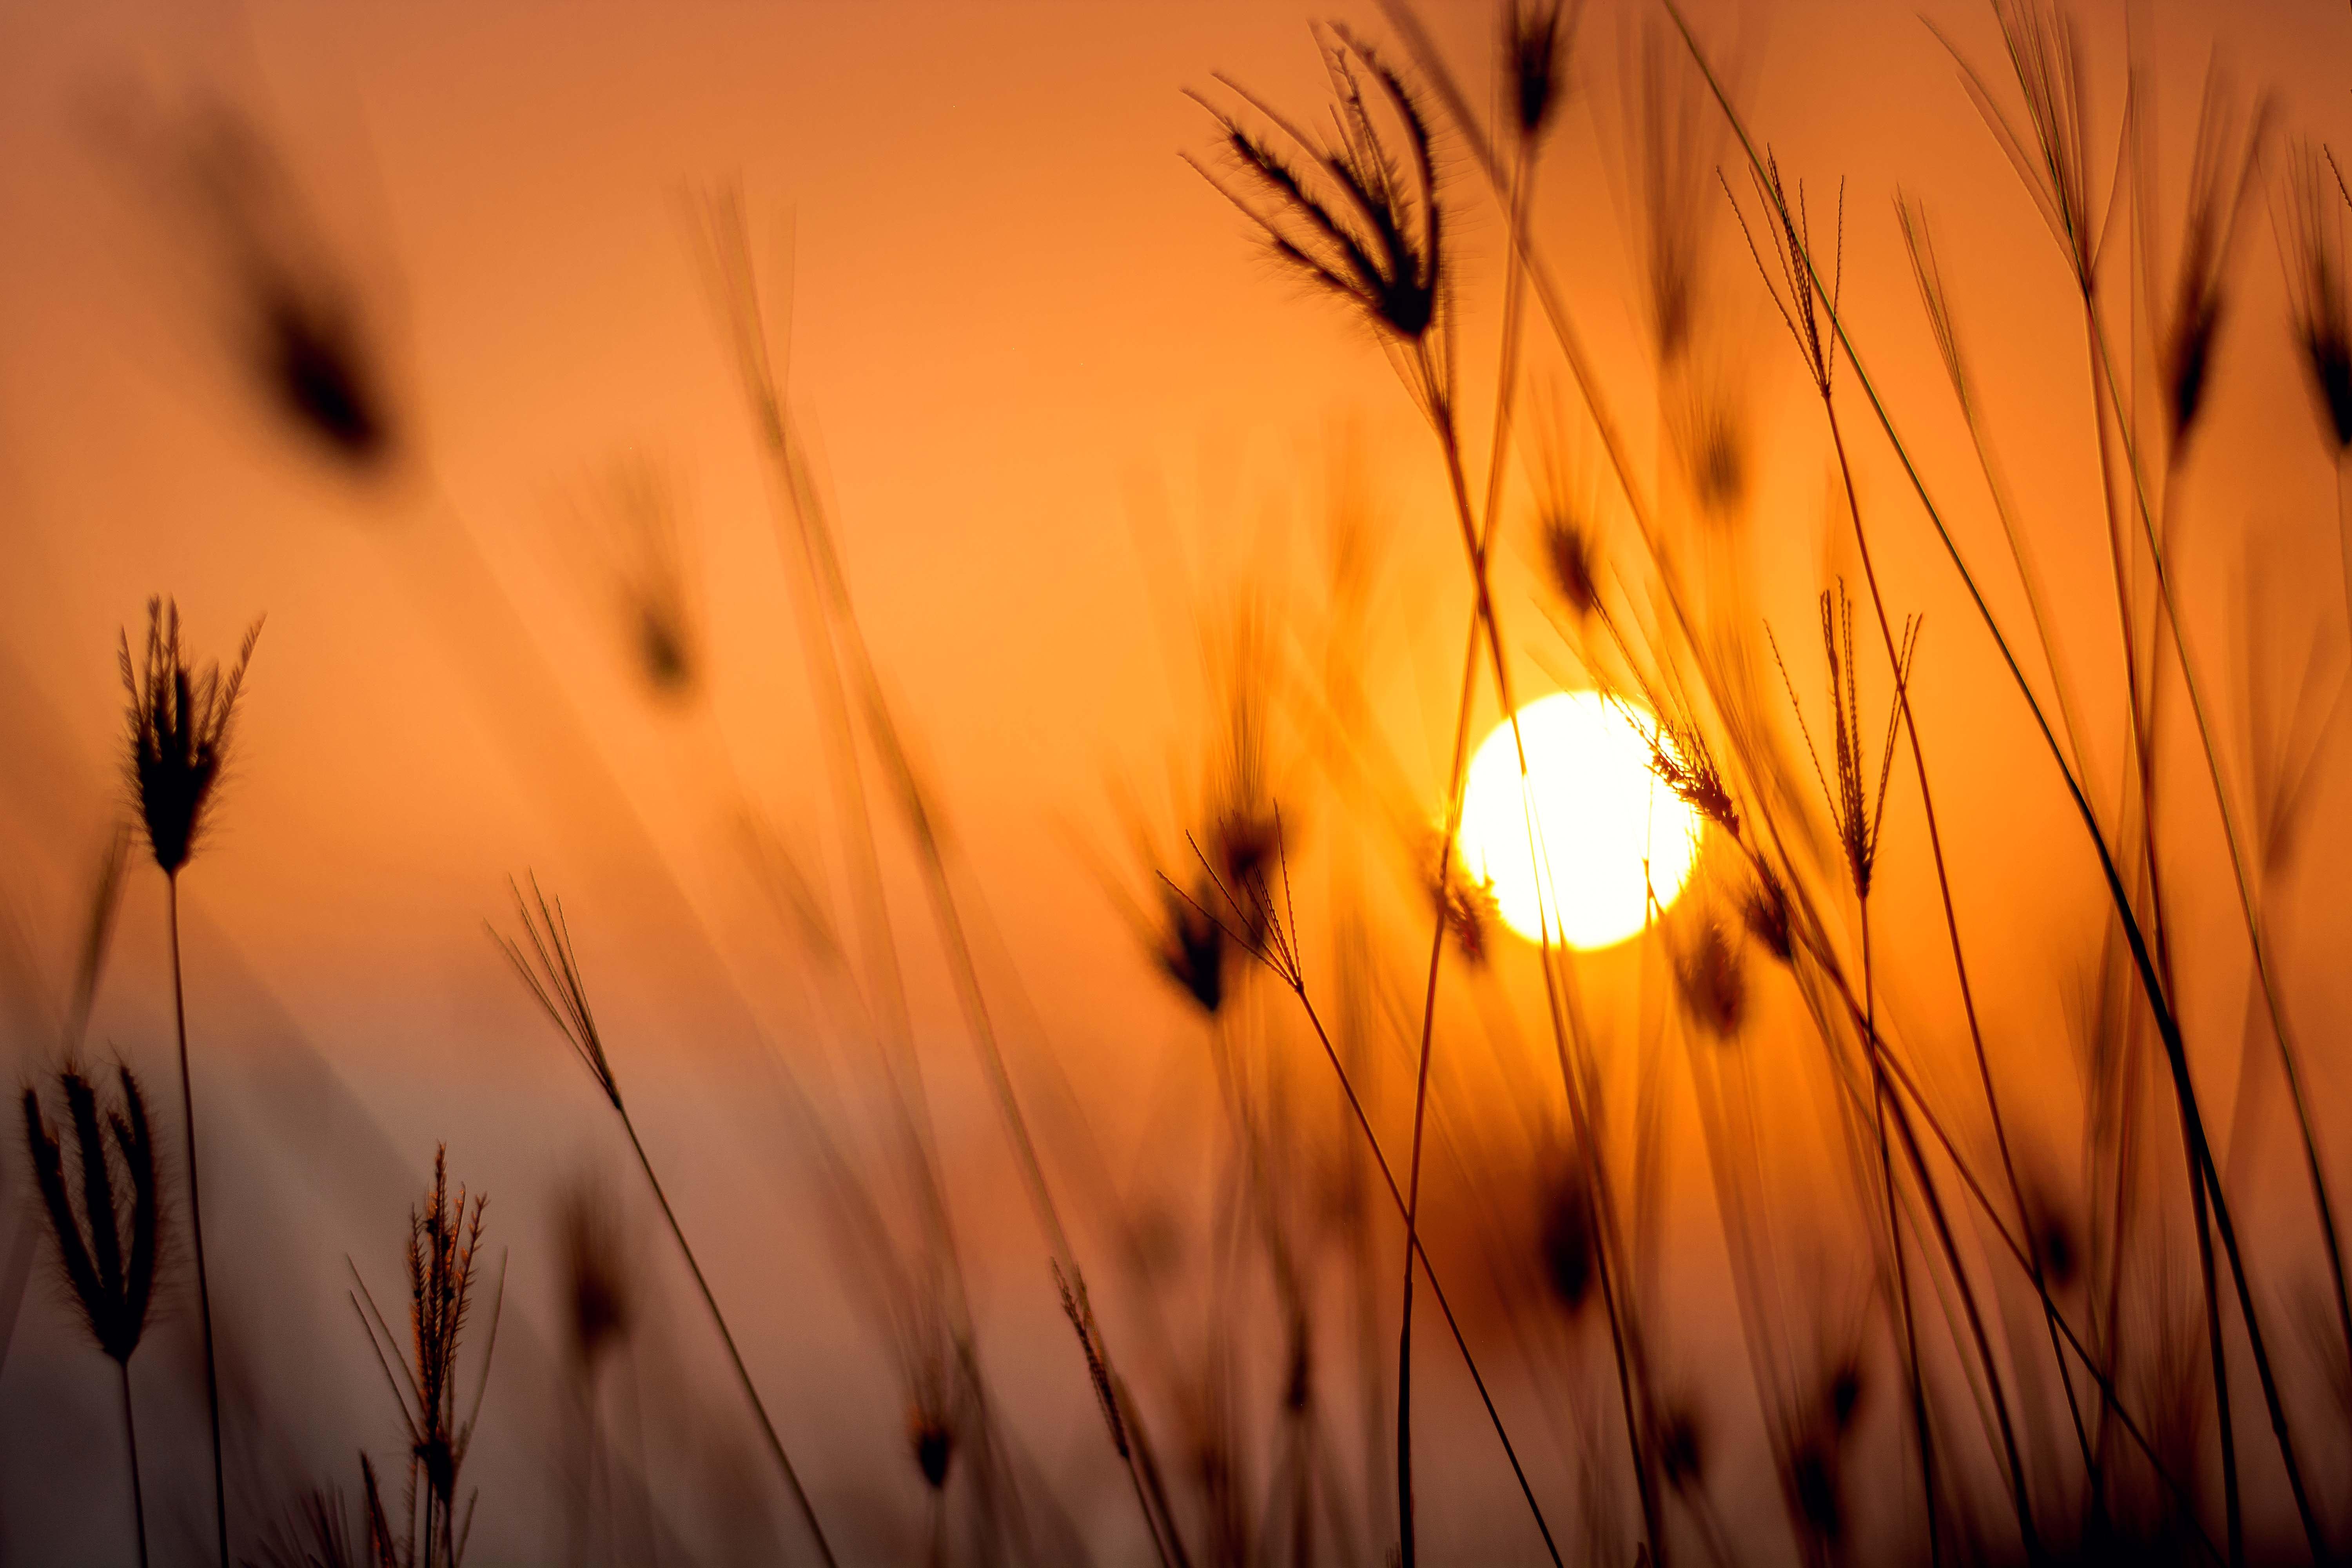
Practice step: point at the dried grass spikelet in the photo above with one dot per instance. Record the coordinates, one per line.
(443, 1254)
(1465, 903)
(115, 1151)
(1536, 41)
(1711, 981)
(1681, 759)
(552, 970)
(2311, 248)
(2219, 185)
(181, 721)
(1857, 806)
(1350, 219)
(600, 1304)
(1081, 1315)
(2052, 154)
(1789, 275)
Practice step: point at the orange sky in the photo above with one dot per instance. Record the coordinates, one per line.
(1063, 404)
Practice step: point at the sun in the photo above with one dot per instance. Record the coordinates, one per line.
(1609, 834)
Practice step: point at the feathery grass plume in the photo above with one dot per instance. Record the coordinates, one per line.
(1465, 902)
(1789, 275)
(181, 722)
(2052, 156)
(1681, 759)
(119, 1188)
(1857, 807)
(2310, 230)
(1358, 226)
(2219, 187)
(1711, 981)
(1536, 40)
(551, 972)
(444, 1242)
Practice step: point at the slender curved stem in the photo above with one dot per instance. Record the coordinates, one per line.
(734, 1356)
(197, 1220)
(131, 1442)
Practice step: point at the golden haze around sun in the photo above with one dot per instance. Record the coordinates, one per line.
(1592, 815)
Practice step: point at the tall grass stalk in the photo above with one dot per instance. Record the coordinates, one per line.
(1379, 247)
(1255, 905)
(551, 971)
(181, 725)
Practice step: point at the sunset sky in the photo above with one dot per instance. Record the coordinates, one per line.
(1071, 417)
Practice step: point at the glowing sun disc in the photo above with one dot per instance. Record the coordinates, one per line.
(1593, 812)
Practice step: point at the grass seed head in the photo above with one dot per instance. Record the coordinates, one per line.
(1346, 214)
(120, 1190)
(181, 721)
(1537, 35)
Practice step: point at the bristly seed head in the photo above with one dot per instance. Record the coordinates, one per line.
(552, 972)
(113, 1288)
(1681, 759)
(180, 721)
(1467, 904)
(1857, 807)
(1355, 226)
